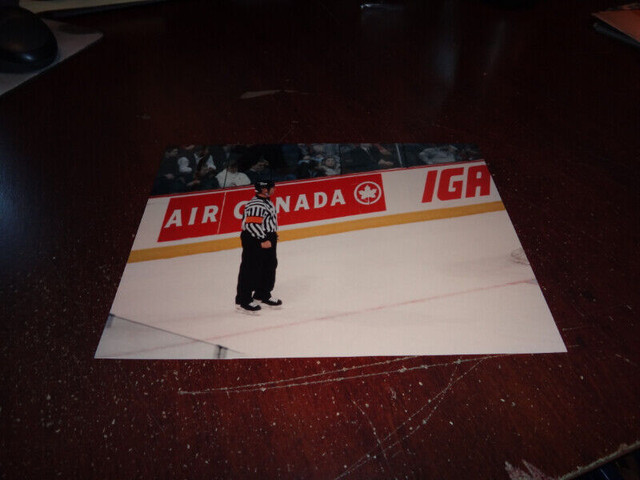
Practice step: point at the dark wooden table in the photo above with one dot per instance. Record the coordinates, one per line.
(554, 106)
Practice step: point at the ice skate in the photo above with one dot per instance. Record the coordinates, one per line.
(274, 303)
(248, 308)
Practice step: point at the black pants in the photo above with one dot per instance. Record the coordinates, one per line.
(257, 270)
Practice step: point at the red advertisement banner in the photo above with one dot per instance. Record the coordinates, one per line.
(457, 182)
(220, 212)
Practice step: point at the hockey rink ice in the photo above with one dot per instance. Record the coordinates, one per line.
(441, 287)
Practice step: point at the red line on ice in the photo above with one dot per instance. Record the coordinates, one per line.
(371, 309)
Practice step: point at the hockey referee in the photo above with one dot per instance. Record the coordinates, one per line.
(259, 261)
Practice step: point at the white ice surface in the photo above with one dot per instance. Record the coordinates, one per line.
(430, 288)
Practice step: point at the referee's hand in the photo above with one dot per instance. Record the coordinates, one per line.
(266, 244)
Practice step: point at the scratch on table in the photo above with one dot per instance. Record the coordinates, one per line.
(291, 127)
(517, 474)
(264, 93)
(307, 380)
(375, 433)
(275, 383)
(432, 405)
(567, 329)
(626, 360)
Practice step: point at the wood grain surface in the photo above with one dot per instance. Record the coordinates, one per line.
(553, 105)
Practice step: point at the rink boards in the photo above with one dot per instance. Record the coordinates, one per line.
(205, 222)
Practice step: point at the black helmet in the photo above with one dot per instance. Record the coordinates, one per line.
(262, 184)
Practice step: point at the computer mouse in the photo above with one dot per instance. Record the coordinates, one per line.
(26, 42)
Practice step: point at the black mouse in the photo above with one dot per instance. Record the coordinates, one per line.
(26, 42)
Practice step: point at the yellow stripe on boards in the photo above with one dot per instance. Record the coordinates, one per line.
(158, 253)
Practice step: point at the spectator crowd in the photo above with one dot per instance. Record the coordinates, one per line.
(209, 167)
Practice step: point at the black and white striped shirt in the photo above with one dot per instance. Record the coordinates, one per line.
(259, 218)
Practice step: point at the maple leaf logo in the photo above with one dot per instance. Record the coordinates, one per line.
(368, 193)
